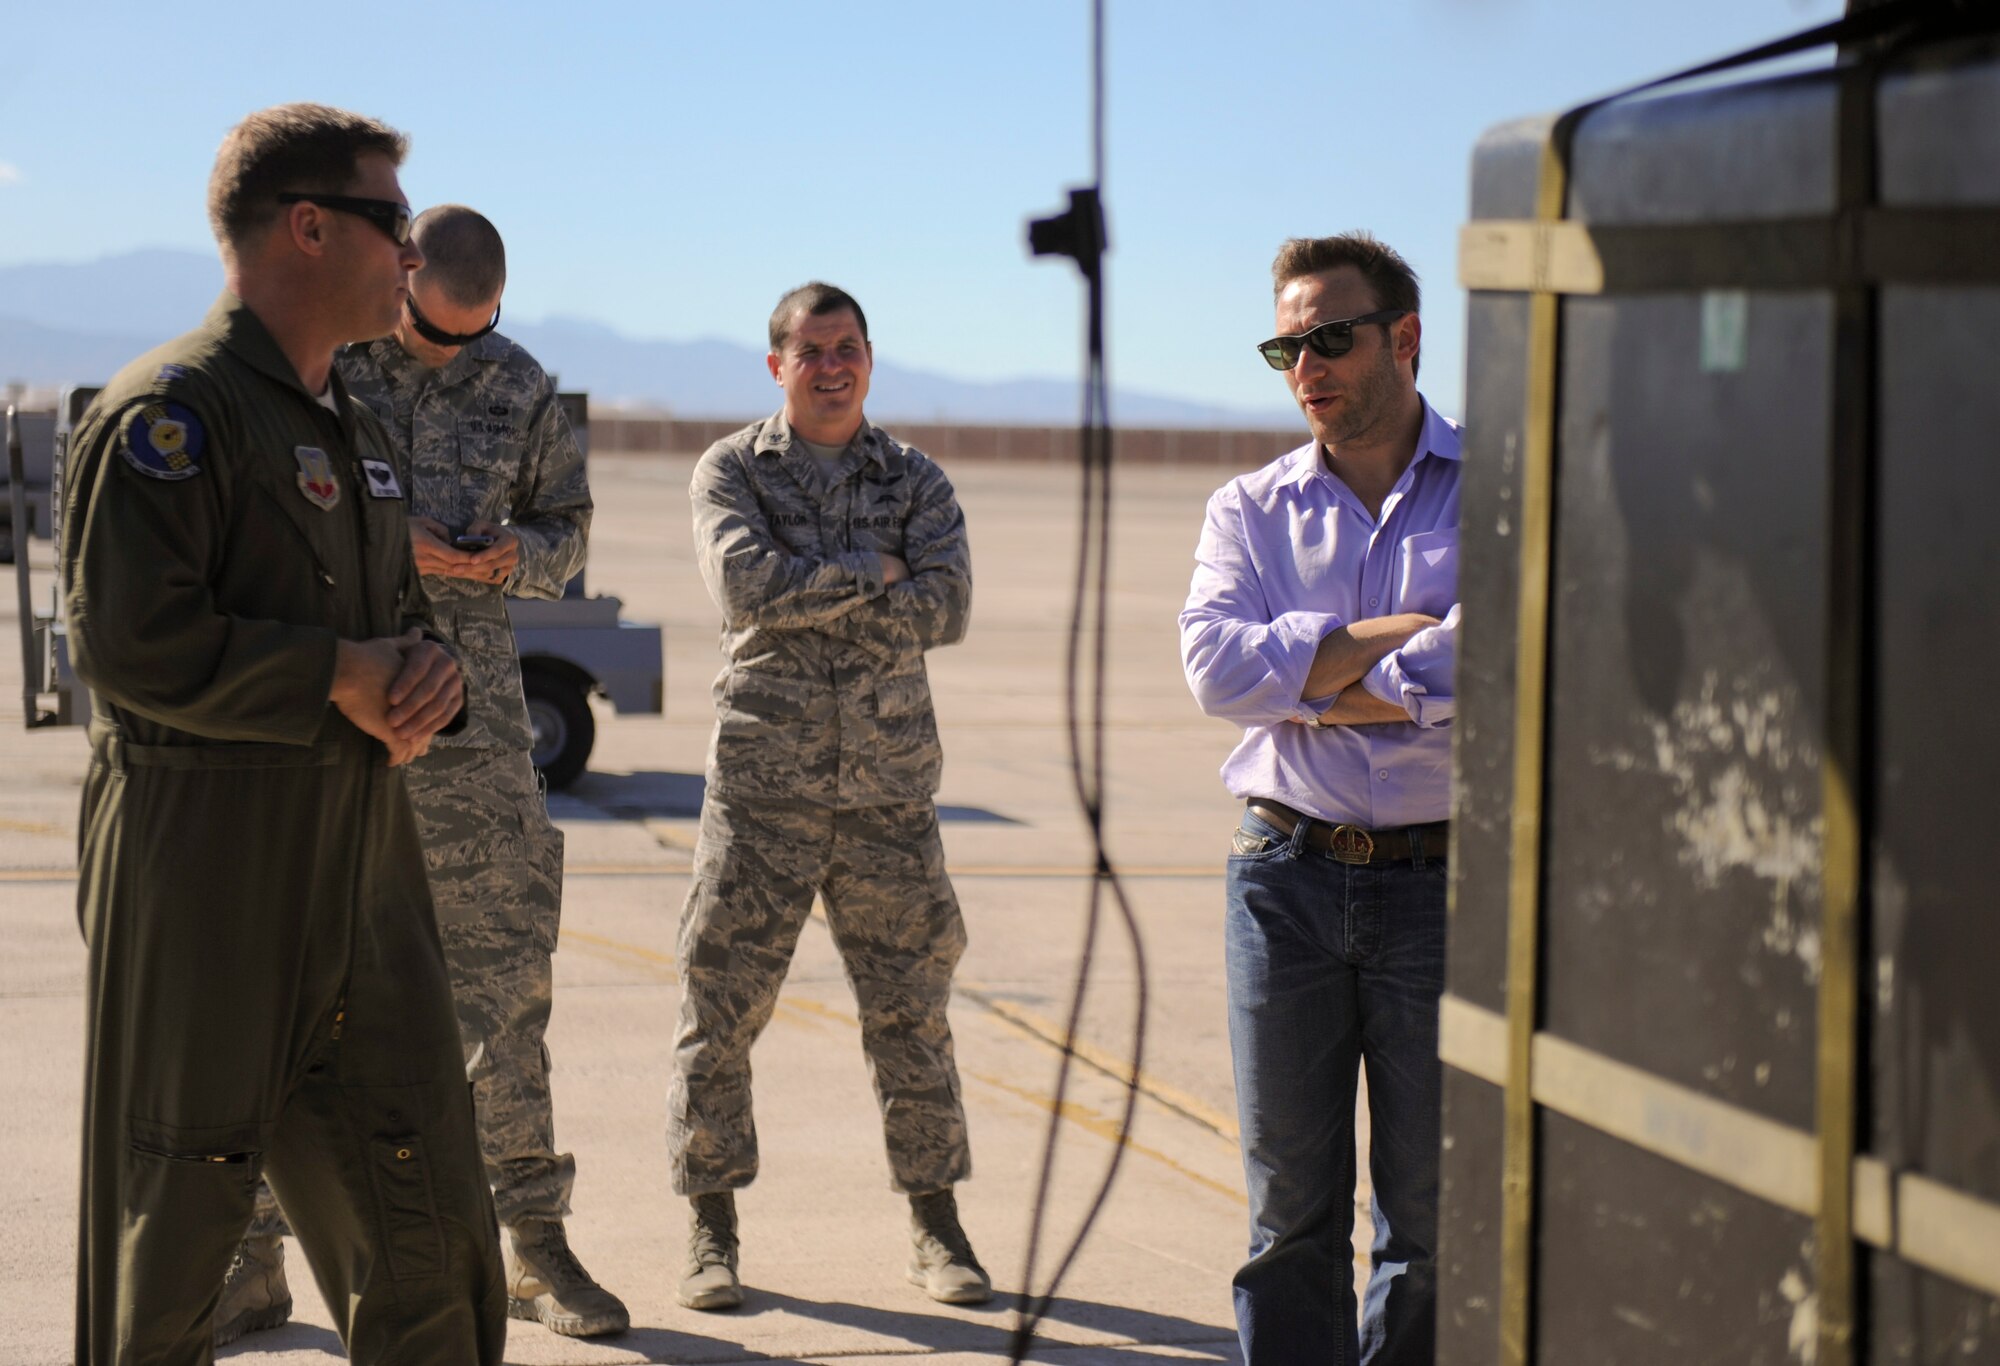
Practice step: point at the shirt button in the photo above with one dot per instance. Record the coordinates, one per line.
(1383, 775)
(1374, 602)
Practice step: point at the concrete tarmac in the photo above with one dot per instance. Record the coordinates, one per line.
(824, 1238)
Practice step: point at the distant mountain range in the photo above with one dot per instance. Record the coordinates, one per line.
(81, 322)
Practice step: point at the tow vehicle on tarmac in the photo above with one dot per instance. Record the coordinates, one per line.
(571, 649)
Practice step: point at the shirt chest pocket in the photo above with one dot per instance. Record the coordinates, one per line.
(796, 529)
(1427, 575)
(875, 518)
(491, 445)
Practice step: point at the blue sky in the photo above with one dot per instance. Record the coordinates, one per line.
(670, 168)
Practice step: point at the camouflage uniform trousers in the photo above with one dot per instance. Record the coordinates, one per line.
(495, 863)
(889, 903)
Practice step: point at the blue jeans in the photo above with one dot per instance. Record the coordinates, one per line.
(1333, 966)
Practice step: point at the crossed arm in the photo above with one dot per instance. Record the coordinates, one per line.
(1248, 664)
(1346, 655)
(865, 597)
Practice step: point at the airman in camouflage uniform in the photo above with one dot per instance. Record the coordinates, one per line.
(838, 556)
(485, 449)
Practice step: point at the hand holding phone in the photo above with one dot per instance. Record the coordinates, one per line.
(472, 540)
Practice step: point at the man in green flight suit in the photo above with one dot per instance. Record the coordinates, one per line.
(266, 991)
(494, 484)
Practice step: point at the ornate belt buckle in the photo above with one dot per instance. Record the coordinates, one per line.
(1351, 844)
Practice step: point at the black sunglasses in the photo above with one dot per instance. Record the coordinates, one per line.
(392, 218)
(1328, 339)
(437, 336)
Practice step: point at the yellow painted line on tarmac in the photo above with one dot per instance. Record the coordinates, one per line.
(1106, 1128)
(12, 826)
(597, 946)
(667, 968)
(627, 869)
(1117, 1068)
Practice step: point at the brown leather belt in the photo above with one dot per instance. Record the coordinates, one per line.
(1353, 844)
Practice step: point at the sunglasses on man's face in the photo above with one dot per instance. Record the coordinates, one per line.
(437, 336)
(1328, 339)
(391, 217)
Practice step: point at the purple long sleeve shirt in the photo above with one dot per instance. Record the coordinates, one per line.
(1289, 554)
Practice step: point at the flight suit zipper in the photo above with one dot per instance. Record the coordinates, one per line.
(357, 483)
(318, 563)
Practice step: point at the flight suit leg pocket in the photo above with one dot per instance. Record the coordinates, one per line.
(184, 1203)
(406, 1205)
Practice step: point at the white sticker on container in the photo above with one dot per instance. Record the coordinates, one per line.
(1725, 331)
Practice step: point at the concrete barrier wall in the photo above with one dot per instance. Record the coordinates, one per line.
(950, 442)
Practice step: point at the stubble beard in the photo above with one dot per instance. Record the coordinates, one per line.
(1370, 402)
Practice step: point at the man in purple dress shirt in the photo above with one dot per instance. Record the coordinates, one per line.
(1323, 620)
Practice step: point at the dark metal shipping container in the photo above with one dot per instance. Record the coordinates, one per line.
(1722, 1023)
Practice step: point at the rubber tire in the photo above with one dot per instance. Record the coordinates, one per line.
(565, 730)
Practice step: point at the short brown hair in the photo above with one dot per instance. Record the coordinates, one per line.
(1388, 275)
(289, 147)
(815, 298)
(463, 254)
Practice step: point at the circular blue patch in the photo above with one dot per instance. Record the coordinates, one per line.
(164, 441)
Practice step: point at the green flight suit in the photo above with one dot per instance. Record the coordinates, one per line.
(267, 993)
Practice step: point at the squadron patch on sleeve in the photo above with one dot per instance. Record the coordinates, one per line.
(164, 441)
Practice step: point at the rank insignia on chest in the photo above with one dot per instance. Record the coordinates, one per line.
(381, 479)
(316, 479)
(163, 441)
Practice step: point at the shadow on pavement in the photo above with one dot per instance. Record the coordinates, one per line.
(292, 1337)
(984, 1329)
(636, 796)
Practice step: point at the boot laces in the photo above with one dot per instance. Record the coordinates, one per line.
(712, 1238)
(937, 1222)
(557, 1263)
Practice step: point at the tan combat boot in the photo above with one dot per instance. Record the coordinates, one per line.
(254, 1293)
(548, 1285)
(941, 1260)
(710, 1282)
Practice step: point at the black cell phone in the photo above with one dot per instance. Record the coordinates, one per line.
(469, 540)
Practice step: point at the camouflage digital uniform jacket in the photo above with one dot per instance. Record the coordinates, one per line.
(824, 697)
(483, 437)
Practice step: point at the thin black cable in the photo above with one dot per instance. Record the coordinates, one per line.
(1097, 146)
(1080, 234)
